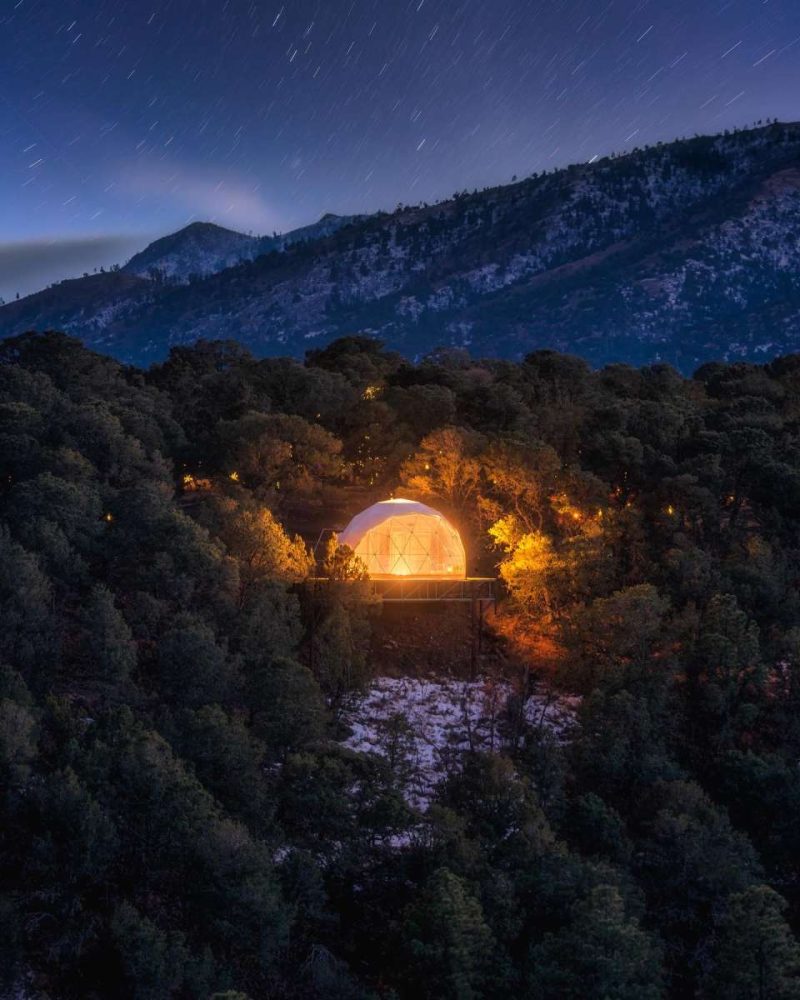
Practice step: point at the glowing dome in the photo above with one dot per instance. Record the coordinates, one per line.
(403, 538)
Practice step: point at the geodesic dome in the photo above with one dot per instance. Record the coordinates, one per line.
(404, 538)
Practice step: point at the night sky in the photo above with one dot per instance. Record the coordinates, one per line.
(122, 120)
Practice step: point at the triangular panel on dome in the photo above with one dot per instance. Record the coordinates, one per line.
(403, 538)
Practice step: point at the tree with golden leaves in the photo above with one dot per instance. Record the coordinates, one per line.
(258, 542)
(530, 566)
(519, 481)
(446, 466)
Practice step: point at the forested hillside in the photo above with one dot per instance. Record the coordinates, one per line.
(180, 813)
(202, 249)
(683, 252)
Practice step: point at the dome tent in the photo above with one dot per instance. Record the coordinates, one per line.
(402, 538)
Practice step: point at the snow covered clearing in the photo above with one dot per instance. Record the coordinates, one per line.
(424, 726)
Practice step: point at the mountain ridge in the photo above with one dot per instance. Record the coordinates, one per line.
(202, 245)
(204, 248)
(685, 251)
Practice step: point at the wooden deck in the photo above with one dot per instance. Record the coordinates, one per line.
(427, 590)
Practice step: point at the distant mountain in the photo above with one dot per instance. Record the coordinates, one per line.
(202, 248)
(686, 251)
(196, 251)
(327, 226)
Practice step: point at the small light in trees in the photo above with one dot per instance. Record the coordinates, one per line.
(191, 484)
(234, 476)
(371, 392)
(671, 510)
(108, 518)
(565, 508)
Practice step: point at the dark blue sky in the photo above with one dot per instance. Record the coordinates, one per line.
(125, 119)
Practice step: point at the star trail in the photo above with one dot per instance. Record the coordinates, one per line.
(123, 120)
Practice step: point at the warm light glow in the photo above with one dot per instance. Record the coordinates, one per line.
(372, 392)
(402, 538)
(234, 476)
(108, 517)
(566, 509)
(191, 484)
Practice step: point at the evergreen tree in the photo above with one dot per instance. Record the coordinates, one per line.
(601, 953)
(755, 954)
(449, 944)
(109, 647)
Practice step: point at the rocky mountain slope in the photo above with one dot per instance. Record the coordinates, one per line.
(202, 249)
(685, 252)
(196, 251)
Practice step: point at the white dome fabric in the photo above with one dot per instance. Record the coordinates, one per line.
(402, 538)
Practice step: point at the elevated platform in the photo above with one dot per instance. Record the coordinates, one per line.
(407, 596)
(409, 589)
(426, 590)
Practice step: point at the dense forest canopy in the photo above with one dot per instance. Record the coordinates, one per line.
(178, 816)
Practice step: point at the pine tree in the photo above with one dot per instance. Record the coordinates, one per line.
(756, 956)
(449, 941)
(109, 647)
(601, 953)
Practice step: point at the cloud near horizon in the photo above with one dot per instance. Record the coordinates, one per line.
(30, 265)
(206, 197)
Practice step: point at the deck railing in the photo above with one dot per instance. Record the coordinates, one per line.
(420, 589)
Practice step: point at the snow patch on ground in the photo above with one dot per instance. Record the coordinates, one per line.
(424, 726)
